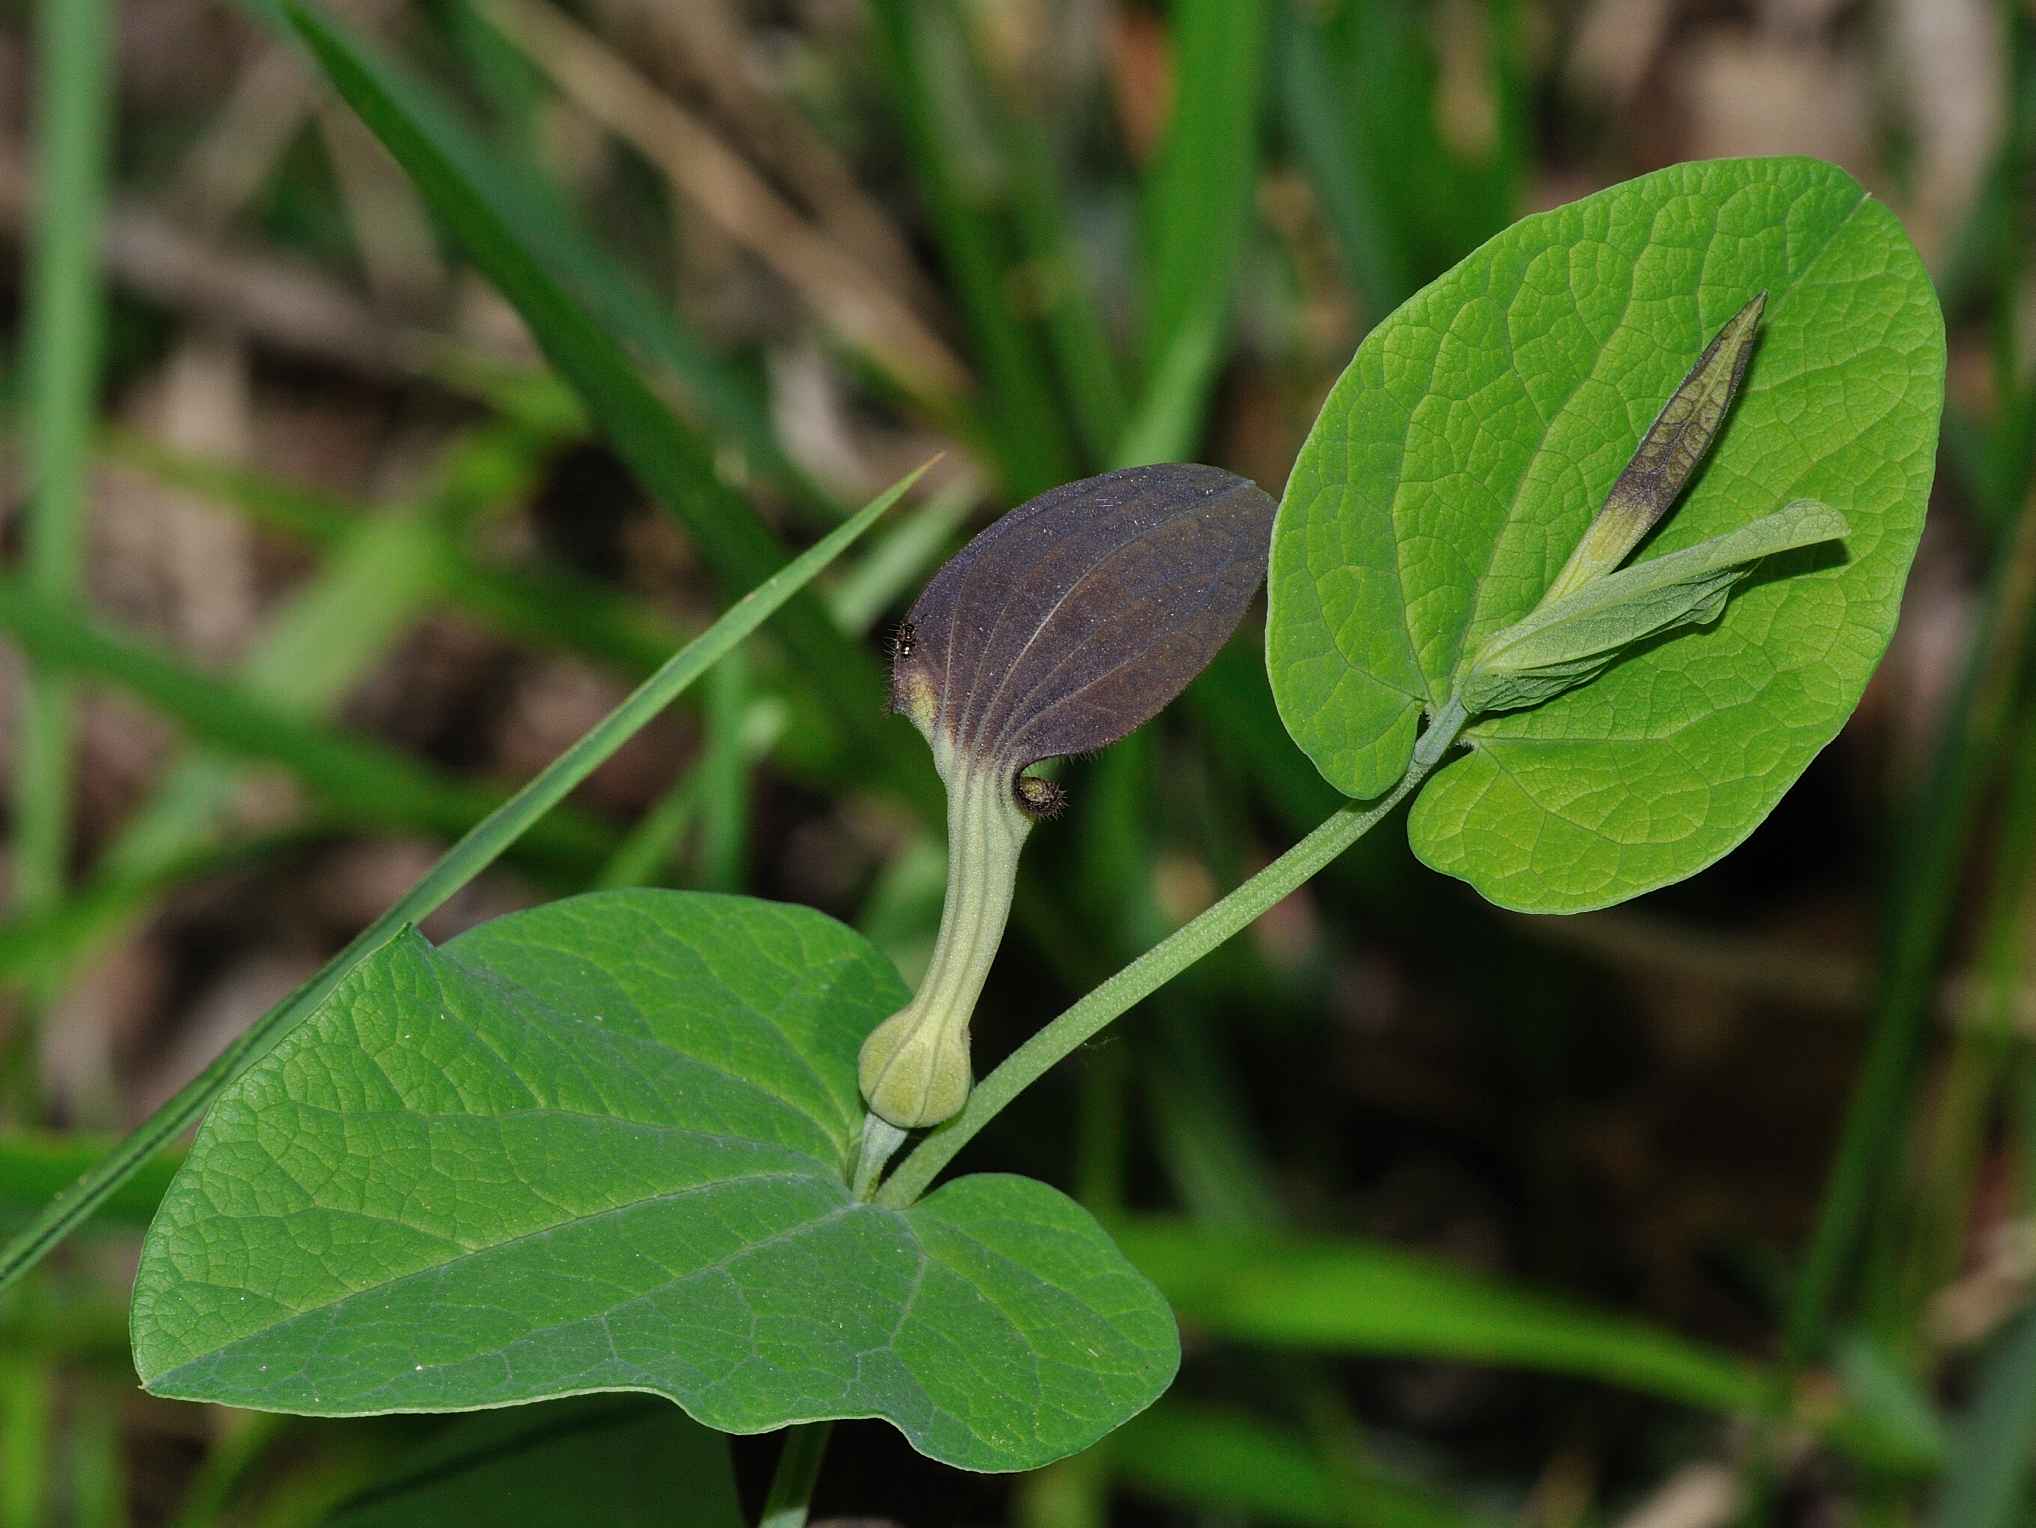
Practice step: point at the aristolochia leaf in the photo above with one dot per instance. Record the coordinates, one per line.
(1569, 640)
(1471, 443)
(603, 1145)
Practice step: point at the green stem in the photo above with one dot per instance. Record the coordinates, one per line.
(480, 847)
(1152, 970)
(791, 1495)
(74, 46)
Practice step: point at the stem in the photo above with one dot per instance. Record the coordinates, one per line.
(478, 849)
(73, 63)
(1157, 966)
(791, 1495)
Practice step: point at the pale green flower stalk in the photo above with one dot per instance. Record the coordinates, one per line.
(914, 1068)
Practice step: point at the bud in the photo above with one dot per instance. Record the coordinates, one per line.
(1669, 454)
(1059, 629)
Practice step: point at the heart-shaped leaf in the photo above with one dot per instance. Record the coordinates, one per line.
(603, 1145)
(1473, 439)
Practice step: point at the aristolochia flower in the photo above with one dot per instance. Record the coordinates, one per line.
(1066, 624)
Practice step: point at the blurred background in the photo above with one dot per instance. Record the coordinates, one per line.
(1470, 1218)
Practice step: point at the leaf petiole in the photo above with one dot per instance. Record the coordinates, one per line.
(791, 1497)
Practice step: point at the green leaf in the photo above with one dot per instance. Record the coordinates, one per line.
(1469, 445)
(558, 1466)
(1569, 641)
(604, 1145)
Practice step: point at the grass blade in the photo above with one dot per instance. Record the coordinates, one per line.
(541, 221)
(539, 605)
(1918, 913)
(1317, 117)
(38, 1165)
(1347, 1296)
(74, 44)
(1229, 1462)
(361, 781)
(664, 455)
(480, 848)
(1075, 331)
(1026, 428)
(1196, 213)
(1197, 200)
(724, 778)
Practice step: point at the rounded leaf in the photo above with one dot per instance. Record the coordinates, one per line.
(1077, 616)
(1474, 437)
(604, 1145)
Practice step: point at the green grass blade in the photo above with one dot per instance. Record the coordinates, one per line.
(1076, 335)
(543, 223)
(1353, 1297)
(61, 935)
(643, 856)
(28, 1397)
(1168, 420)
(1345, 181)
(1020, 415)
(1918, 913)
(1361, 90)
(1982, 1053)
(361, 782)
(481, 847)
(74, 45)
(97, 1470)
(541, 606)
(35, 1166)
(1347, 1296)
(664, 455)
(1197, 202)
(1229, 1462)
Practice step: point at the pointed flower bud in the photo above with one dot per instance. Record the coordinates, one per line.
(1670, 453)
(1596, 610)
(1059, 629)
